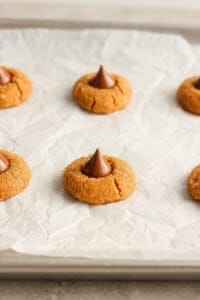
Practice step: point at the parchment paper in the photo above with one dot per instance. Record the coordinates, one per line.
(153, 134)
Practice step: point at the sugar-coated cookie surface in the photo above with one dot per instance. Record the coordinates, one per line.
(15, 178)
(102, 100)
(15, 91)
(118, 185)
(188, 95)
(194, 183)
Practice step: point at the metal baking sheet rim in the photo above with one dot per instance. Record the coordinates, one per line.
(189, 30)
(16, 265)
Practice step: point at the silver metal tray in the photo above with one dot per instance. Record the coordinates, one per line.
(17, 265)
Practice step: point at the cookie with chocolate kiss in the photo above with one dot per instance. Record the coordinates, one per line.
(15, 87)
(98, 179)
(102, 92)
(188, 95)
(15, 174)
(194, 183)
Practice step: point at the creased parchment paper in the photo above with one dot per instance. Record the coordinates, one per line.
(153, 134)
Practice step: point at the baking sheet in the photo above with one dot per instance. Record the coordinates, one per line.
(159, 139)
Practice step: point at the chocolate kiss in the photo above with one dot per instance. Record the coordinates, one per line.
(5, 76)
(197, 84)
(102, 80)
(97, 166)
(4, 163)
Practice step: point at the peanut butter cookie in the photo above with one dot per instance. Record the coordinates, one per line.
(194, 183)
(188, 95)
(14, 174)
(15, 87)
(102, 92)
(99, 179)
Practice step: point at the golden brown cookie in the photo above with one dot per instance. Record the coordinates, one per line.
(101, 92)
(194, 183)
(188, 95)
(108, 185)
(15, 174)
(14, 89)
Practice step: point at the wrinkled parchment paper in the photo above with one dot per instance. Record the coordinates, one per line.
(153, 134)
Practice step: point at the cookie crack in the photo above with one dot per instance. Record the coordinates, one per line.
(19, 89)
(113, 100)
(93, 103)
(120, 90)
(117, 186)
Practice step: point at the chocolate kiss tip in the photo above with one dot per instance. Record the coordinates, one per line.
(197, 84)
(102, 80)
(97, 166)
(5, 76)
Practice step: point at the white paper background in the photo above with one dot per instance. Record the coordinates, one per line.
(153, 133)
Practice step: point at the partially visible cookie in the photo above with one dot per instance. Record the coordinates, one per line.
(15, 174)
(188, 94)
(102, 92)
(15, 87)
(194, 183)
(99, 179)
